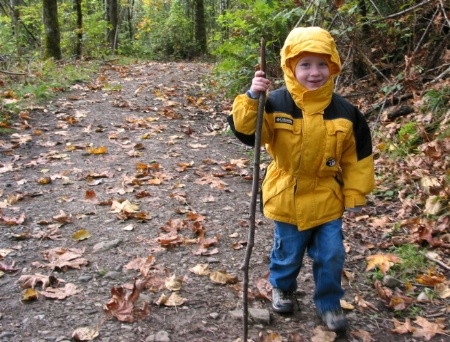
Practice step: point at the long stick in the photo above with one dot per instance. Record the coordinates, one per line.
(255, 188)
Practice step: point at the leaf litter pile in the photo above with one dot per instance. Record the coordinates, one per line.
(124, 210)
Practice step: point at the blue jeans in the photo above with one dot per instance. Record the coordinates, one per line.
(324, 245)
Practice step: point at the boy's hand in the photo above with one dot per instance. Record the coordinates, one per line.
(259, 83)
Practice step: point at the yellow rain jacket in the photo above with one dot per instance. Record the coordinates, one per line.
(320, 143)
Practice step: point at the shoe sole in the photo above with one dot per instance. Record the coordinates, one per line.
(283, 310)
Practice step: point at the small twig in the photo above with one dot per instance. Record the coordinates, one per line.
(426, 31)
(444, 265)
(12, 73)
(444, 12)
(304, 13)
(376, 8)
(442, 75)
(406, 10)
(375, 67)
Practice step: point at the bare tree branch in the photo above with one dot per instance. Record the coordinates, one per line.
(406, 10)
(444, 12)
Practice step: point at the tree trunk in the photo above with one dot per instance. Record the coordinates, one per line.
(113, 16)
(130, 12)
(79, 30)
(200, 26)
(52, 41)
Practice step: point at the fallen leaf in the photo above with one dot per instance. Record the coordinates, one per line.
(98, 150)
(30, 281)
(221, 277)
(91, 197)
(85, 334)
(362, 335)
(429, 329)
(81, 235)
(61, 293)
(174, 283)
(323, 335)
(173, 300)
(442, 290)
(200, 269)
(30, 294)
(382, 261)
(122, 306)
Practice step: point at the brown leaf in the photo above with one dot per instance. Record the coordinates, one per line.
(61, 293)
(8, 268)
(429, 329)
(27, 281)
(362, 335)
(12, 220)
(91, 197)
(85, 334)
(402, 328)
(62, 258)
(121, 306)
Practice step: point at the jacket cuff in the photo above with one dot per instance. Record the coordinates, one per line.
(354, 201)
(252, 95)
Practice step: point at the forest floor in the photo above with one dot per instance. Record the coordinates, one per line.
(124, 217)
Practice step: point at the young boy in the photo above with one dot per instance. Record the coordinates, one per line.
(322, 164)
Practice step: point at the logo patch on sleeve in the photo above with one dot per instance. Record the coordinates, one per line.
(284, 120)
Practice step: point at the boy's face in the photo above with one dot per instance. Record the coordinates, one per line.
(312, 71)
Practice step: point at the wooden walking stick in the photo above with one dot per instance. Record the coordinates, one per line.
(255, 188)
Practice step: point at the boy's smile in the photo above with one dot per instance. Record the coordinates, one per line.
(312, 71)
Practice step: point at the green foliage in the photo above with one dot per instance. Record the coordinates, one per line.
(413, 262)
(166, 34)
(237, 42)
(48, 79)
(437, 101)
(408, 137)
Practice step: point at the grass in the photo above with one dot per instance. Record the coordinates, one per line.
(42, 81)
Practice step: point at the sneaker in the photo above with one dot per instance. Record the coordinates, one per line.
(282, 301)
(335, 320)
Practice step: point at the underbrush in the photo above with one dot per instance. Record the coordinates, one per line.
(30, 83)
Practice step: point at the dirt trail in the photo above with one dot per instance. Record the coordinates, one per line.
(140, 164)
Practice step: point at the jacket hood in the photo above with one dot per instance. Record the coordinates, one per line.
(300, 41)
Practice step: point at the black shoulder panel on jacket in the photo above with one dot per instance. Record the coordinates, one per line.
(244, 138)
(281, 101)
(341, 108)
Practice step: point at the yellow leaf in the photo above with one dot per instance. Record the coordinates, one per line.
(346, 305)
(45, 180)
(222, 278)
(382, 261)
(98, 150)
(81, 235)
(30, 294)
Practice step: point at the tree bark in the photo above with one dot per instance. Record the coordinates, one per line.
(113, 16)
(200, 26)
(79, 30)
(52, 41)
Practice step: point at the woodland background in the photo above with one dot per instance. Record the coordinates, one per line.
(396, 68)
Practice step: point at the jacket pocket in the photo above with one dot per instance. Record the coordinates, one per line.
(333, 149)
(278, 192)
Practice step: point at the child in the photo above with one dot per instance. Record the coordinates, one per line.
(322, 164)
